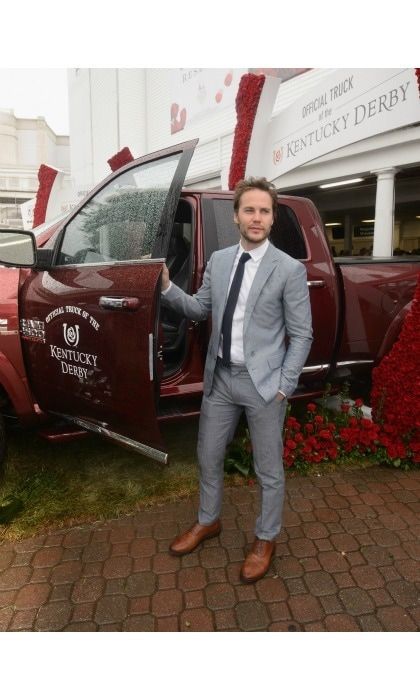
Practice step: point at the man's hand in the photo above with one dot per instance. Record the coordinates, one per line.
(165, 278)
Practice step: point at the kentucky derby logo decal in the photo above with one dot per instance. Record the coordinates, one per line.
(277, 155)
(71, 335)
(76, 362)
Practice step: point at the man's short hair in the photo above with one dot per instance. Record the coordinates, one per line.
(254, 183)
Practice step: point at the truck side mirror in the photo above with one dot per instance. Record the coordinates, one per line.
(17, 248)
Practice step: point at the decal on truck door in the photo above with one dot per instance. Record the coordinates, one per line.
(73, 310)
(30, 329)
(71, 335)
(72, 359)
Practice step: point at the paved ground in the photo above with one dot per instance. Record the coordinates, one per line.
(347, 559)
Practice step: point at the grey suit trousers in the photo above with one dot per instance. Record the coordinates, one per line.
(233, 392)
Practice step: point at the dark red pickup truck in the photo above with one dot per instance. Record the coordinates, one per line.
(83, 339)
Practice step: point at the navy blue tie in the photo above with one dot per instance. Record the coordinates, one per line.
(235, 288)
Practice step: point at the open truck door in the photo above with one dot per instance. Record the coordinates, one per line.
(89, 317)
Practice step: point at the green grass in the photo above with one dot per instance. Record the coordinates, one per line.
(48, 486)
(57, 485)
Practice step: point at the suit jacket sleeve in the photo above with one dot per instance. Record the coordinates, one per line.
(298, 320)
(196, 307)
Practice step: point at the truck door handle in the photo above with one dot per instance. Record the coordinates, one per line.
(119, 303)
(316, 283)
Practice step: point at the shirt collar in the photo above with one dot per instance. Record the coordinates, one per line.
(256, 253)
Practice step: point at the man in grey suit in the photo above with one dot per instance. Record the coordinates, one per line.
(257, 295)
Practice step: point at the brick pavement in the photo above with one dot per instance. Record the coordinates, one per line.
(347, 560)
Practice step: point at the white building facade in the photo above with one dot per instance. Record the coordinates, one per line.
(24, 145)
(113, 108)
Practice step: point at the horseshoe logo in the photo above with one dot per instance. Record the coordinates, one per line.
(71, 335)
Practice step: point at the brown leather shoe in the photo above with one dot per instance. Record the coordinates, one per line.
(258, 560)
(189, 540)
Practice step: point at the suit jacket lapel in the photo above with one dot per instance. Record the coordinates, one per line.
(266, 267)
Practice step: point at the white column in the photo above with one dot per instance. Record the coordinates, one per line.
(384, 213)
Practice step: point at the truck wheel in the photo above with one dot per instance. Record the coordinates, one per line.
(2, 447)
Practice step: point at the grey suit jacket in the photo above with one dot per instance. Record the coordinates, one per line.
(278, 306)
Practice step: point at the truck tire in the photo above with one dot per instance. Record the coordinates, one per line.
(2, 447)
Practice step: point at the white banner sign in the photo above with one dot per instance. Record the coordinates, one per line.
(350, 106)
(198, 91)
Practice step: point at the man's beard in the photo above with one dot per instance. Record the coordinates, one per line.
(245, 235)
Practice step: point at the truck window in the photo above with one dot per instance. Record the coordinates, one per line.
(286, 233)
(121, 222)
(220, 231)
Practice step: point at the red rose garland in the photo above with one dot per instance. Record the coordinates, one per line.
(417, 70)
(119, 159)
(247, 100)
(46, 177)
(396, 388)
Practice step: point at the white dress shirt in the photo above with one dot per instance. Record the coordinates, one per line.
(251, 267)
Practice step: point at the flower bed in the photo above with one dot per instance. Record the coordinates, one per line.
(320, 437)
